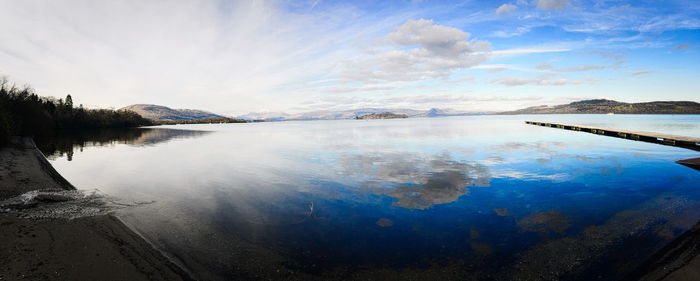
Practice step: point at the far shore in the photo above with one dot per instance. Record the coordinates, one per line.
(98, 247)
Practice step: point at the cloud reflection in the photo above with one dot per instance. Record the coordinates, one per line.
(416, 182)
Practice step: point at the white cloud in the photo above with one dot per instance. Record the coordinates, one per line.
(508, 173)
(438, 40)
(519, 31)
(358, 89)
(223, 56)
(544, 66)
(585, 68)
(640, 18)
(661, 23)
(417, 50)
(522, 51)
(456, 102)
(505, 9)
(238, 56)
(517, 81)
(643, 72)
(501, 67)
(551, 4)
(684, 46)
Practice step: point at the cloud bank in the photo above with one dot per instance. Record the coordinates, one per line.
(418, 50)
(223, 56)
(233, 57)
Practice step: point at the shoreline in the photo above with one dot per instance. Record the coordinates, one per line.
(99, 247)
(679, 260)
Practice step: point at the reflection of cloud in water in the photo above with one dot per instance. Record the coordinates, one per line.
(548, 147)
(551, 154)
(549, 150)
(495, 160)
(507, 173)
(416, 182)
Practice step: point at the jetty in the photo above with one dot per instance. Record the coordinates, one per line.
(671, 140)
(664, 139)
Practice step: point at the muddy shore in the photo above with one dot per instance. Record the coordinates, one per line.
(94, 247)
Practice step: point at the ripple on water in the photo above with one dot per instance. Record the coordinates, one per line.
(67, 204)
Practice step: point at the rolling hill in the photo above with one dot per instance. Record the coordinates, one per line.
(164, 113)
(602, 106)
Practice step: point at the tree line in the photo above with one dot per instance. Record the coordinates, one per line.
(24, 113)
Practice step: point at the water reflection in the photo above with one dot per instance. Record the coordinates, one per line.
(65, 142)
(473, 198)
(416, 182)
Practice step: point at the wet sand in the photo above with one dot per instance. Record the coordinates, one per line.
(24, 168)
(88, 248)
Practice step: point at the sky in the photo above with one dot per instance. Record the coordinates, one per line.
(235, 57)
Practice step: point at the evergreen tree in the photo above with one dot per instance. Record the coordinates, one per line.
(69, 102)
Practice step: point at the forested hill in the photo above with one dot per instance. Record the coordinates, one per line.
(24, 113)
(602, 106)
(164, 113)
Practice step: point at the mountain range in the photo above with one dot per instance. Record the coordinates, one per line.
(596, 106)
(352, 113)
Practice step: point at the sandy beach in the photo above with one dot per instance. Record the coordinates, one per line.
(97, 247)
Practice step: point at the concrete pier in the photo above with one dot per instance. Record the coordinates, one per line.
(671, 140)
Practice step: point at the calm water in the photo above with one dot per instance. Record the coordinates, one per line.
(482, 197)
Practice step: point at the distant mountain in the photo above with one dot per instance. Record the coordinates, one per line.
(435, 112)
(350, 114)
(161, 113)
(383, 115)
(265, 116)
(602, 106)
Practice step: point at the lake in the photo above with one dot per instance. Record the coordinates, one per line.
(452, 198)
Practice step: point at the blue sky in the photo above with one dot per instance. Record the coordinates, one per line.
(234, 57)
